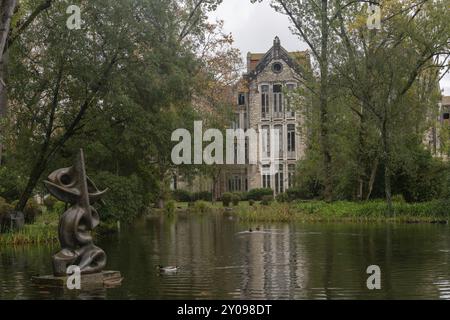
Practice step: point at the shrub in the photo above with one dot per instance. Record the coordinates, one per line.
(10, 184)
(181, 195)
(59, 207)
(31, 211)
(259, 193)
(266, 200)
(301, 192)
(398, 198)
(49, 202)
(226, 199)
(251, 202)
(170, 207)
(124, 199)
(5, 210)
(235, 198)
(282, 197)
(201, 206)
(202, 195)
(242, 195)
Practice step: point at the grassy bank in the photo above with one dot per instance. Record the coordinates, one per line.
(346, 211)
(43, 230)
(434, 211)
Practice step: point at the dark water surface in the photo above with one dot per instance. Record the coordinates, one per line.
(283, 261)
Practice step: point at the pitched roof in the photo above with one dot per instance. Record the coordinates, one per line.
(298, 60)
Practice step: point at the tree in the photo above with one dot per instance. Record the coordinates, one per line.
(6, 11)
(381, 67)
(7, 38)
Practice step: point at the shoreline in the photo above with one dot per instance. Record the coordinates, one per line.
(45, 229)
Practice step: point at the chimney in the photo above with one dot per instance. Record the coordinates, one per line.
(249, 61)
(276, 47)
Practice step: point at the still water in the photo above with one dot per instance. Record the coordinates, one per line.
(219, 260)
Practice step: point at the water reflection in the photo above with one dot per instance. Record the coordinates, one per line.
(219, 260)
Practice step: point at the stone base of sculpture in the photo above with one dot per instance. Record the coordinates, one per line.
(104, 279)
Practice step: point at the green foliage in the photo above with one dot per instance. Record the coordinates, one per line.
(258, 193)
(420, 177)
(50, 202)
(124, 199)
(59, 207)
(433, 211)
(5, 210)
(10, 183)
(31, 211)
(43, 231)
(227, 197)
(201, 206)
(170, 207)
(266, 200)
(282, 197)
(398, 198)
(181, 195)
(235, 198)
(243, 196)
(202, 195)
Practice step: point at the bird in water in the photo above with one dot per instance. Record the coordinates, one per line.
(167, 269)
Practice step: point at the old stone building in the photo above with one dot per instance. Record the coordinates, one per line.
(264, 102)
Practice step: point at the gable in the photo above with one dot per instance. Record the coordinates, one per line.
(297, 61)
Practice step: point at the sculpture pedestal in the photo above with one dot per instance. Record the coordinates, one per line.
(104, 279)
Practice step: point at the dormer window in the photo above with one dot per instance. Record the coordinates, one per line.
(277, 67)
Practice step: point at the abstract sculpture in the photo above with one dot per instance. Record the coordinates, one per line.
(71, 185)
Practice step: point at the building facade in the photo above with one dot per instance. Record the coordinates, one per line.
(437, 137)
(265, 103)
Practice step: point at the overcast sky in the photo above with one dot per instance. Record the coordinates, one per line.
(254, 26)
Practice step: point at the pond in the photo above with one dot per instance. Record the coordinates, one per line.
(218, 259)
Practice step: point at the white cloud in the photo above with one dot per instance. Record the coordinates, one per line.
(254, 26)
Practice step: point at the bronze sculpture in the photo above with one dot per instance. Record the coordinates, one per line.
(73, 186)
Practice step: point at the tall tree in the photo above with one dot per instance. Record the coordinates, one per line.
(383, 65)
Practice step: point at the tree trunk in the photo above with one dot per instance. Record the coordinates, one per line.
(387, 166)
(359, 159)
(372, 178)
(324, 134)
(6, 11)
(33, 180)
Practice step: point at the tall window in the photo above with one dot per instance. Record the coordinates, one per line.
(289, 112)
(265, 131)
(264, 101)
(277, 100)
(291, 137)
(235, 184)
(266, 176)
(236, 123)
(247, 150)
(235, 150)
(175, 182)
(241, 99)
(245, 124)
(291, 175)
(279, 186)
(279, 130)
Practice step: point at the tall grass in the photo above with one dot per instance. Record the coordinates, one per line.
(43, 230)
(347, 211)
